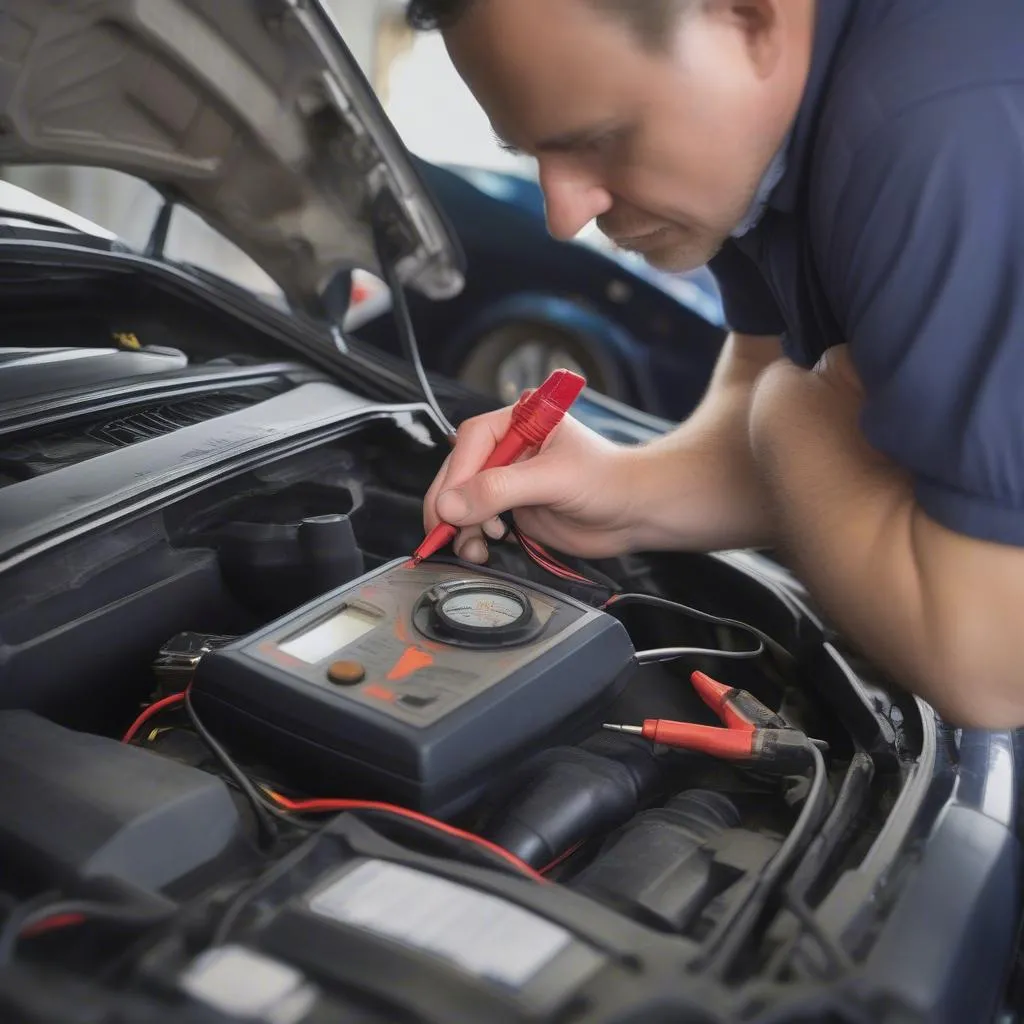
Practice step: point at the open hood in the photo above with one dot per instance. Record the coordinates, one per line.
(253, 113)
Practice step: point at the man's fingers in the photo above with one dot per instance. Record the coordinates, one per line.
(430, 516)
(477, 438)
(496, 529)
(470, 546)
(538, 481)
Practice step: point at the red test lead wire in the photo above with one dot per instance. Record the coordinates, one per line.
(333, 806)
(152, 711)
(534, 417)
(778, 749)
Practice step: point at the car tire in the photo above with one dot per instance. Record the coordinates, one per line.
(508, 359)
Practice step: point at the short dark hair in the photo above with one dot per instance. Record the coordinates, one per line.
(651, 20)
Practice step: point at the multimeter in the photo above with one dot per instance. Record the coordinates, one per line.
(416, 683)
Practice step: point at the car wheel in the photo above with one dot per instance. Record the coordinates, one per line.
(514, 357)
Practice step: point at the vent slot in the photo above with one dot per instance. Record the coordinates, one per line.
(145, 424)
(69, 446)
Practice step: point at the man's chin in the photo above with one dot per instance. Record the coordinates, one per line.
(673, 251)
(678, 259)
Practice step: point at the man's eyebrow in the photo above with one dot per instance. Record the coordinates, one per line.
(573, 141)
(565, 142)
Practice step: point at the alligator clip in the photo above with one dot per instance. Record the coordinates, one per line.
(752, 733)
(736, 709)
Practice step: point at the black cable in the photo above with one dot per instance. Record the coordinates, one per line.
(290, 818)
(265, 817)
(404, 324)
(767, 642)
(659, 654)
(263, 803)
(733, 929)
(236, 907)
(849, 803)
(36, 911)
(838, 957)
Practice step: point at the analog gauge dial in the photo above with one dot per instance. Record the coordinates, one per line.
(476, 613)
(483, 609)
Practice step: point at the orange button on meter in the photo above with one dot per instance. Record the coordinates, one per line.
(346, 673)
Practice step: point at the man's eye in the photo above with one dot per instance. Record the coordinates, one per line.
(601, 143)
(606, 142)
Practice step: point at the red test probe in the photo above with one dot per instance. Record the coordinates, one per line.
(736, 708)
(534, 417)
(753, 733)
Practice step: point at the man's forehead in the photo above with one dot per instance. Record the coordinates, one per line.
(552, 86)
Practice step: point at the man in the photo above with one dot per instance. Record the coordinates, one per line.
(854, 171)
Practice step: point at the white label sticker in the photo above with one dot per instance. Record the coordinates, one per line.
(242, 982)
(480, 933)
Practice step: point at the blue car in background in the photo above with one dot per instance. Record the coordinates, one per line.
(532, 303)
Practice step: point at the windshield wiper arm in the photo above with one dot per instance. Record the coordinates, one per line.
(157, 241)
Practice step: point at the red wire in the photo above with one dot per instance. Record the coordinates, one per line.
(546, 559)
(50, 924)
(331, 806)
(542, 557)
(153, 709)
(564, 856)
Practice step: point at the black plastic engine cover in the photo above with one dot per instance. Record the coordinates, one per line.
(75, 806)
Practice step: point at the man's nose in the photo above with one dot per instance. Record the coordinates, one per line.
(571, 200)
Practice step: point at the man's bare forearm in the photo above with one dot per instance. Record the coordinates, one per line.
(697, 488)
(940, 611)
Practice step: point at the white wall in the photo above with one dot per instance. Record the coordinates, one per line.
(357, 20)
(437, 116)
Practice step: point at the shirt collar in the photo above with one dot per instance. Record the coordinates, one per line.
(832, 22)
(775, 173)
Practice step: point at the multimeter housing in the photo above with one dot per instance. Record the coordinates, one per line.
(417, 684)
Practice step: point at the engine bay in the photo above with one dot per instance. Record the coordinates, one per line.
(244, 736)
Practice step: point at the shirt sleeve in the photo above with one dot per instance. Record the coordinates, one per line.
(923, 262)
(747, 300)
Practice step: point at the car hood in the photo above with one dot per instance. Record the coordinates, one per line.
(254, 114)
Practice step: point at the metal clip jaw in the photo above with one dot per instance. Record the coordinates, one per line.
(179, 657)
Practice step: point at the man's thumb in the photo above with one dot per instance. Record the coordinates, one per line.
(492, 492)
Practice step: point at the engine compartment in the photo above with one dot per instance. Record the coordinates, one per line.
(642, 860)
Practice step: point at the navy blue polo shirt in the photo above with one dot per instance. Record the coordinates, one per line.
(898, 227)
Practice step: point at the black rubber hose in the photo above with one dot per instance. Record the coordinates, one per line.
(733, 930)
(849, 802)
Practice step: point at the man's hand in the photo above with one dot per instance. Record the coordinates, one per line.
(694, 489)
(575, 494)
(938, 610)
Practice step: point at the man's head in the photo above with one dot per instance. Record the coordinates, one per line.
(657, 117)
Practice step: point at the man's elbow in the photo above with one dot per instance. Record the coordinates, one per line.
(969, 615)
(974, 694)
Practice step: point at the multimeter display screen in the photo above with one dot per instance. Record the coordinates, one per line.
(323, 640)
